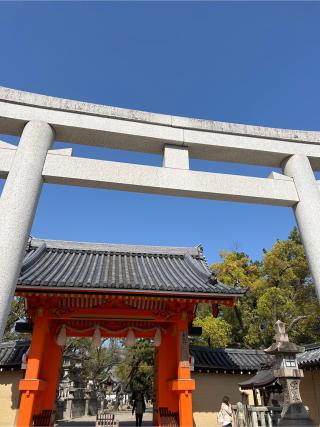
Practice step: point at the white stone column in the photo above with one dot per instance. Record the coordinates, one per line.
(18, 204)
(307, 210)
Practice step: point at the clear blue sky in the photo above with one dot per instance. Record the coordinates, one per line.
(254, 63)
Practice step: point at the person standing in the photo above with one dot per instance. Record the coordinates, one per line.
(225, 413)
(139, 408)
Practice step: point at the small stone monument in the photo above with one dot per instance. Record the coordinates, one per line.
(286, 369)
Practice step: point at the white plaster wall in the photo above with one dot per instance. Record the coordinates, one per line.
(9, 397)
(210, 389)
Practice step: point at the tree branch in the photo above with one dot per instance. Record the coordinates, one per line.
(295, 321)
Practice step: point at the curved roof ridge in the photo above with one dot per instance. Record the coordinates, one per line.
(313, 346)
(34, 257)
(114, 247)
(198, 268)
(229, 349)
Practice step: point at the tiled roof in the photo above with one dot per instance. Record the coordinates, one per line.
(11, 354)
(311, 356)
(71, 265)
(260, 379)
(229, 359)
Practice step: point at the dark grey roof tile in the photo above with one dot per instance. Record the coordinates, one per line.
(63, 265)
(207, 358)
(11, 354)
(310, 357)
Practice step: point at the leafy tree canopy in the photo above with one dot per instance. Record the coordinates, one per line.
(215, 332)
(278, 287)
(95, 363)
(135, 371)
(17, 312)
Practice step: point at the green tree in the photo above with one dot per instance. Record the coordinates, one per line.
(17, 312)
(215, 332)
(236, 269)
(272, 305)
(135, 371)
(285, 265)
(286, 268)
(95, 363)
(278, 287)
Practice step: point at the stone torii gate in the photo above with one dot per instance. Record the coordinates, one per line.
(42, 119)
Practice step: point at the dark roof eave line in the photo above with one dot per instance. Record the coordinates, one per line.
(195, 295)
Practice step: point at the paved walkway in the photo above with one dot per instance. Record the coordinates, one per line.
(125, 420)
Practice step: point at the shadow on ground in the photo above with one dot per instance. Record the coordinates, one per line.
(92, 424)
(129, 423)
(76, 424)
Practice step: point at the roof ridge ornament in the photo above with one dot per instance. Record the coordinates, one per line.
(34, 257)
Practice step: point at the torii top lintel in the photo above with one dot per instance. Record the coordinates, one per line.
(93, 124)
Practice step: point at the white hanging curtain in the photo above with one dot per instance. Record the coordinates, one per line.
(157, 337)
(130, 339)
(62, 336)
(96, 337)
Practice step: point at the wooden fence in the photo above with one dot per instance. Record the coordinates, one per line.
(255, 416)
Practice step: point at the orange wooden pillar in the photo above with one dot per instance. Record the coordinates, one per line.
(166, 371)
(183, 384)
(32, 385)
(50, 371)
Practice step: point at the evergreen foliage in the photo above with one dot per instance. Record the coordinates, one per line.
(215, 332)
(89, 363)
(17, 312)
(278, 287)
(135, 371)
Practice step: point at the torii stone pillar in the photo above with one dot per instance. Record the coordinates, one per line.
(307, 210)
(18, 204)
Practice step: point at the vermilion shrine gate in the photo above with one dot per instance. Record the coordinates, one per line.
(84, 288)
(40, 120)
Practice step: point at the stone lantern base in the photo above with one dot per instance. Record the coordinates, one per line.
(296, 416)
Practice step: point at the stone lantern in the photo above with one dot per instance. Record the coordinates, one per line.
(286, 369)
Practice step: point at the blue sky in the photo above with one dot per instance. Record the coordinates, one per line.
(252, 62)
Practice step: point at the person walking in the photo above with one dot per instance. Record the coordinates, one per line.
(139, 408)
(225, 413)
